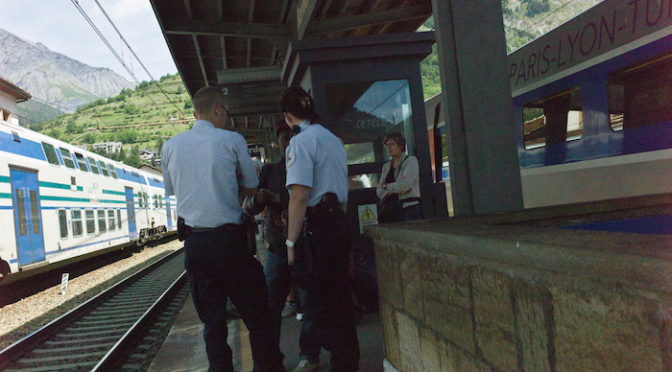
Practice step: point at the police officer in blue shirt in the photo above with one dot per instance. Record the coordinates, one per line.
(317, 177)
(207, 168)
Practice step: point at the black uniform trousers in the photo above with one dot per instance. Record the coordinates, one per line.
(329, 306)
(219, 266)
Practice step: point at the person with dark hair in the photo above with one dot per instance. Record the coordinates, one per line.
(207, 168)
(400, 179)
(272, 195)
(317, 177)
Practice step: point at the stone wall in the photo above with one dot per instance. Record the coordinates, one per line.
(470, 296)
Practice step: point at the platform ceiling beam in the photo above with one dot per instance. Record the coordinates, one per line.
(369, 19)
(231, 29)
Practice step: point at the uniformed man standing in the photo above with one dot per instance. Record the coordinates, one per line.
(205, 168)
(317, 177)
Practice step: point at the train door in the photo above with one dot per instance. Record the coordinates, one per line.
(169, 219)
(27, 216)
(130, 211)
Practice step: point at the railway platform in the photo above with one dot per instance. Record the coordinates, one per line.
(184, 348)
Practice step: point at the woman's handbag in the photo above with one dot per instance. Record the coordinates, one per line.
(389, 208)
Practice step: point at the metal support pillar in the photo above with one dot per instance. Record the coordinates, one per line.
(484, 172)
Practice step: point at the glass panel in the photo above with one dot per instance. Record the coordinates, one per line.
(50, 152)
(35, 212)
(113, 171)
(110, 220)
(67, 158)
(119, 218)
(81, 162)
(63, 223)
(101, 221)
(21, 207)
(364, 181)
(94, 166)
(90, 222)
(364, 112)
(103, 166)
(552, 120)
(76, 222)
(640, 95)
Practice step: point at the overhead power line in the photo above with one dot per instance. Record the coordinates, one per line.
(548, 14)
(138, 58)
(107, 43)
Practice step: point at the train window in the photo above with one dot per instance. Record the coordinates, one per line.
(640, 95)
(94, 166)
(140, 198)
(103, 166)
(90, 222)
(35, 211)
(113, 171)
(76, 216)
(362, 114)
(21, 207)
(81, 162)
(119, 218)
(156, 201)
(554, 119)
(50, 152)
(110, 220)
(67, 158)
(63, 223)
(101, 221)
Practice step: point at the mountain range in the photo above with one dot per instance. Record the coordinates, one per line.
(54, 78)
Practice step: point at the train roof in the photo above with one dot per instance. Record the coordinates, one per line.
(40, 137)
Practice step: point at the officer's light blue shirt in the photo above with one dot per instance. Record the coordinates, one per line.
(200, 167)
(316, 158)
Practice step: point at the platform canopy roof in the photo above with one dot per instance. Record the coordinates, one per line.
(240, 45)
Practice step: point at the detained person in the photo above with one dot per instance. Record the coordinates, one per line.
(400, 179)
(317, 178)
(207, 168)
(272, 195)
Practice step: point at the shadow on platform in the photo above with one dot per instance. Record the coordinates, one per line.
(184, 348)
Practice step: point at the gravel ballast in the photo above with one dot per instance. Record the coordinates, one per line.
(23, 317)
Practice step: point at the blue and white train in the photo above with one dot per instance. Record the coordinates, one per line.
(60, 203)
(592, 104)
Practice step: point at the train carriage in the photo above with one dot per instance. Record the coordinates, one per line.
(60, 203)
(592, 104)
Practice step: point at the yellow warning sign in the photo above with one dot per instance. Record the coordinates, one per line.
(368, 215)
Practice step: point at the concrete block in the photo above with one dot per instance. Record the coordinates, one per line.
(533, 312)
(431, 350)
(608, 329)
(447, 300)
(388, 275)
(409, 344)
(388, 321)
(411, 284)
(493, 313)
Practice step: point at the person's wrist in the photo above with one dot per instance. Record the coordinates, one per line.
(289, 243)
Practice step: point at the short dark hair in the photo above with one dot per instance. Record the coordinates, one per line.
(206, 99)
(396, 137)
(299, 103)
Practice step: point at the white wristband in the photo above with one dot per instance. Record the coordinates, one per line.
(289, 243)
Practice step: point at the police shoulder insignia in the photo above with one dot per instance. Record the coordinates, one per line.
(291, 158)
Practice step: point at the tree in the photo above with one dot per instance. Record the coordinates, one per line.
(134, 158)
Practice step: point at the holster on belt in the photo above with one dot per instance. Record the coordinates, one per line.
(328, 206)
(248, 231)
(183, 230)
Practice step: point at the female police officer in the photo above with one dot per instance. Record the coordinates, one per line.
(317, 177)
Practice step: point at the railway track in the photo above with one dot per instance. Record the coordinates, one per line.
(119, 329)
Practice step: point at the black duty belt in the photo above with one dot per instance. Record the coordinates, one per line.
(226, 226)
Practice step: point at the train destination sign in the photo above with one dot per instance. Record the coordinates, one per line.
(603, 29)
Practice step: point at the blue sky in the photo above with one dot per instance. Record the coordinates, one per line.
(59, 25)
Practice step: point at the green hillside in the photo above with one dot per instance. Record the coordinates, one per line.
(141, 119)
